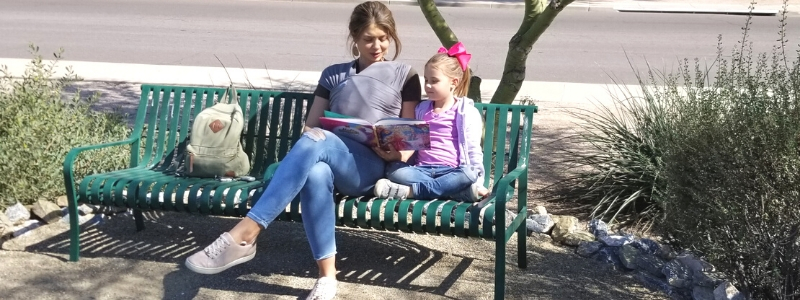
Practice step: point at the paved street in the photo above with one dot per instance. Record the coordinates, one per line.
(583, 45)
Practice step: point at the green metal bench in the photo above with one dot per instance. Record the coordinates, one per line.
(275, 122)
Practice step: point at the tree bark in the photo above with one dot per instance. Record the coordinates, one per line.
(539, 14)
(437, 23)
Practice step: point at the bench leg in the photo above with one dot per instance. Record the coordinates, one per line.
(139, 218)
(500, 264)
(522, 245)
(74, 229)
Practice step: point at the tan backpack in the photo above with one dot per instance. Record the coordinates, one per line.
(215, 148)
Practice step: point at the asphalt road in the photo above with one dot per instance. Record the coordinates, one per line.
(582, 45)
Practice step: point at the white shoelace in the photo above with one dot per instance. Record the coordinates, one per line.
(216, 247)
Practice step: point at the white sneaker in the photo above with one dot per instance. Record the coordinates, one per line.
(385, 188)
(221, 255)
(324, 289)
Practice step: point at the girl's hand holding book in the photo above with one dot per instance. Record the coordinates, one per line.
(388, 155)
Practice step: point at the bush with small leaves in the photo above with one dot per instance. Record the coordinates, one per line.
(39, 125)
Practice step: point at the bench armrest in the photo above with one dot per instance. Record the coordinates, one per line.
(270, 171)
(69, 160)
(505, 183)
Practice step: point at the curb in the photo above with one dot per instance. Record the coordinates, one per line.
(692, 10)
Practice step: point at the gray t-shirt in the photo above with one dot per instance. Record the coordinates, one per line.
(372, 94)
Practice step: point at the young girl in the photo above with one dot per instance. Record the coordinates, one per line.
(453, 166)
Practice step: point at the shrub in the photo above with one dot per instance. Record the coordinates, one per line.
(617, 169)
(733, 172)
(712, 158)
(39, 125)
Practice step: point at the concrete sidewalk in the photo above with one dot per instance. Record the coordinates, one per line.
(537, 91)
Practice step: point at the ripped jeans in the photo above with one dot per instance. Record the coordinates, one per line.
(312, 168)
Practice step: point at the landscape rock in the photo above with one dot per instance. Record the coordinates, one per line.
(563, 225)
(616, 240)
(62, 201)
(677, 274)
(575, 238)
(610, 256)
(726, 291)
(702, 293)
(666, 252)
(650, 264)
(587, 249)
(628, 255)
(17, 213)
(540, 223)
(653, 283)
(695, 264)
(707, 279)
(598, 228)
(47, 211)
(540, 210)
(87, 209)
(541, 237)
(647, 246)
(5, 226)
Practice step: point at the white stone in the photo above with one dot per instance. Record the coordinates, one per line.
(540, 223)
(726, 291)
(540, 210)
(17, 213)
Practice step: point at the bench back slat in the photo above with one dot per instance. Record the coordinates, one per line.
(506, 141)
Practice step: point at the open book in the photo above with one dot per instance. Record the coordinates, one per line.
(403, 134)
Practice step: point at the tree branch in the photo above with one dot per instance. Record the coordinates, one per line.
(539, 14)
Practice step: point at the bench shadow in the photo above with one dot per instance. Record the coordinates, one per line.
(374, 258)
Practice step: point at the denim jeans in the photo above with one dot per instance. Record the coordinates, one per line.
(433, 182)
(312, 168)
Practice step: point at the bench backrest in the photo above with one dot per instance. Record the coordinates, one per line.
(507, 138)
(274, 123)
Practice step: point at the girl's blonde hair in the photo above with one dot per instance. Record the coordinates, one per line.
(451, 68)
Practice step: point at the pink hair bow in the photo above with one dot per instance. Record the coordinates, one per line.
(460, 53)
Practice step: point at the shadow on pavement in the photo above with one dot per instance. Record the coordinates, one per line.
(372, 258)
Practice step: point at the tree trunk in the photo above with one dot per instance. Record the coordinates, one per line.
(538, 16)
(437, 22)
(448, 39)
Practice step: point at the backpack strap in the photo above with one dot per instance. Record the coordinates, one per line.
(231, 94)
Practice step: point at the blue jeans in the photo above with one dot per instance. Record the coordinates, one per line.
(312, 168)
(433, 182)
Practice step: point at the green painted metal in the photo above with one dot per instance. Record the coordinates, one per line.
(160, 130)
(275, 122)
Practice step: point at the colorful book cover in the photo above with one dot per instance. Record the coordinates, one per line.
(403, 134)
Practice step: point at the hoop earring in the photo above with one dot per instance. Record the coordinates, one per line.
(355, 51)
